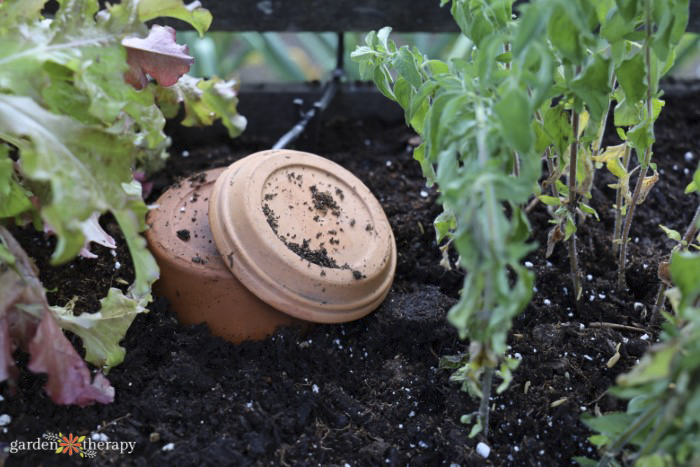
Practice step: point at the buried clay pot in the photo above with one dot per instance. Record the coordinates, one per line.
(193, 275)
(305, 240)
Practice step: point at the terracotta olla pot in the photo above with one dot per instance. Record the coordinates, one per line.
(278, 238)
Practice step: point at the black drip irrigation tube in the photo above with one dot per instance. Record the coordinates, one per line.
(312, 117)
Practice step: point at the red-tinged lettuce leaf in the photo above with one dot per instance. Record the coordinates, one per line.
(157, 55)
(69, 377)
(26, 322)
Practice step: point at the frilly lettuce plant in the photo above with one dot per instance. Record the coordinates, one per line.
(78, 116)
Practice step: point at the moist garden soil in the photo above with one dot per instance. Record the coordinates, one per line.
(370, 392)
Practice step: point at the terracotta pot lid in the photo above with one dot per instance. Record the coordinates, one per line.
(304, 235)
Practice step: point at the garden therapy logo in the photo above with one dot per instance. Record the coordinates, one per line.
(70, 444)
(73, 445)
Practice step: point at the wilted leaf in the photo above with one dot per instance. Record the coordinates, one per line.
(647, 184)
(157, 55)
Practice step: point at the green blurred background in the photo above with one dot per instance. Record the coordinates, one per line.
(251, 57)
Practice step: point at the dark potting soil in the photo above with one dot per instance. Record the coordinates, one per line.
(370, 392)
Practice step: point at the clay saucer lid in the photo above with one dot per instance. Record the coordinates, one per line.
(304, 235)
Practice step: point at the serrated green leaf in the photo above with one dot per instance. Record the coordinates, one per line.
(565, 35)
(102, 331)
(70, 157)
(194, 14)
(513, 111)
(616, 28)
(641, 136)
(406, 65)
(628, 8)
(383, 37)
(631, 74)
(592, 86)
(557, 126)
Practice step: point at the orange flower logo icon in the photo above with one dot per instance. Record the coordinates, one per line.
(70, 444)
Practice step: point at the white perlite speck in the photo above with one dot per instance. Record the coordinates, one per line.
(528, 264)
(168, 447)
(314, 389)
(547, 302)
(99, 437)
(5, 419)
(688, 156)
(423, 194)
(483, 450)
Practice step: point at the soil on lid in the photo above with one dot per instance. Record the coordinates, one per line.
(370, 392)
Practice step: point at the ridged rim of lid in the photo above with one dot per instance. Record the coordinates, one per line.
(262, 208)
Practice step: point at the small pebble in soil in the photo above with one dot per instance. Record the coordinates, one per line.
(182, 209)
(688, 156)
(168, 447)
(5, 419)
(645, 337)
(183, 234)
(483, 450)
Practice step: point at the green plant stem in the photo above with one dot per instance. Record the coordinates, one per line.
(618, 205)
(688, 237)
(486, 384)
(552, 169)
(621, 282)
(573, 256)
